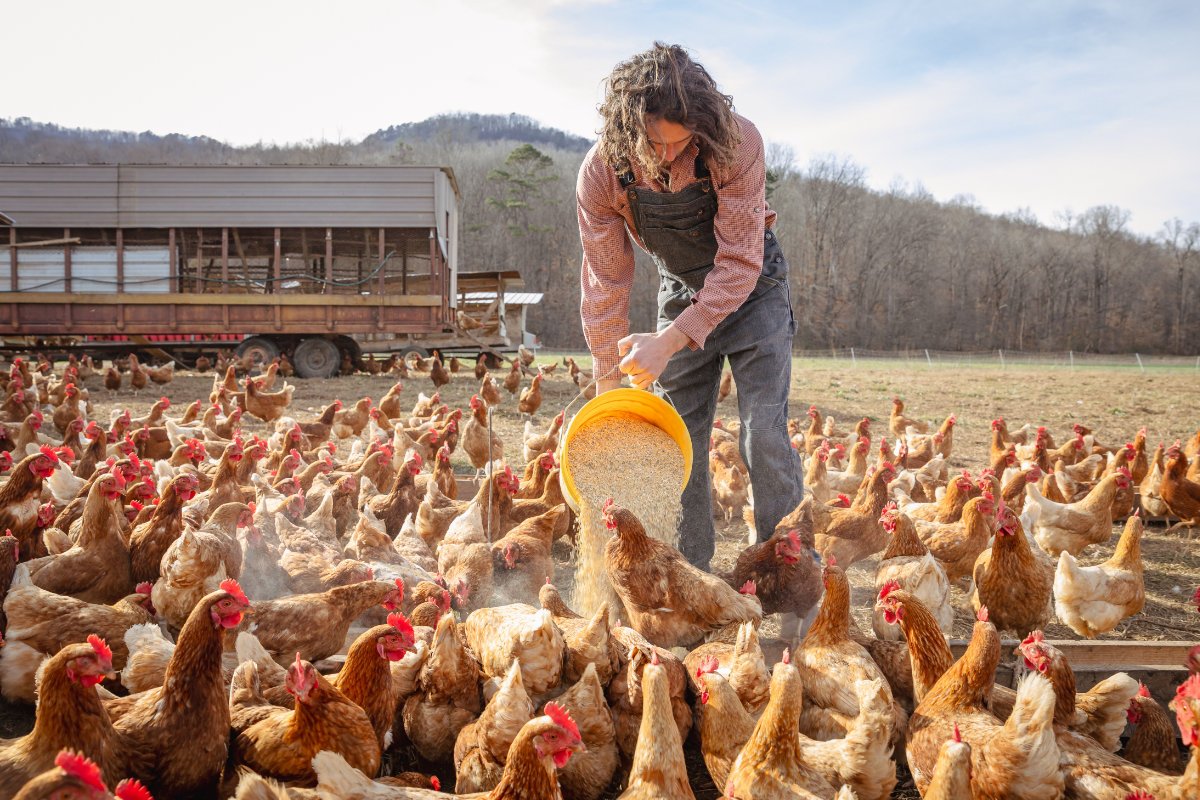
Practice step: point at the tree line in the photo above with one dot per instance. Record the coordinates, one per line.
(873, 269)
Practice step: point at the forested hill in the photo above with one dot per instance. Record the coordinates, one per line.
(23, 140)
(869, 268)
(464, 128)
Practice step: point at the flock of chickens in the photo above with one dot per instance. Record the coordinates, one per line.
(222, 576)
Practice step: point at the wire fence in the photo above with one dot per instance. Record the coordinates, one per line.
(1001, 359)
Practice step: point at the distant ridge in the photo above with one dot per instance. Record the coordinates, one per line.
(23, 140)
(470, 127)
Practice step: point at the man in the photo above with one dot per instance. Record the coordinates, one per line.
(681, 174)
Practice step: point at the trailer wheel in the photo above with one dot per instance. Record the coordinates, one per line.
(317, 358)
(412, 348)
(261, 349)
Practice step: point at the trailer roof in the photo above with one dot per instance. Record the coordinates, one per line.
(287, 196)
(5, 219)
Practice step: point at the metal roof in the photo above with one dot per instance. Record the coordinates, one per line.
(510, 298)
(285, 196)
(5, 219)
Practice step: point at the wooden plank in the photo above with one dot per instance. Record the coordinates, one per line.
(1116, 656)
(356, 300)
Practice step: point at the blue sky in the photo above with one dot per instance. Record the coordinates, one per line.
(1049, 106)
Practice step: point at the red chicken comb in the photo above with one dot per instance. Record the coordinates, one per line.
(231, 587)
(100, 647)
(251, 507)
(844, 500)
(81, 767)
(1139, 795)
(654, 657)
(400, 623)
(888, 588)
(145, 587)
(560, 717)
(49, 452)
(1036, 637)
(707, 664)
(400, 585)
(435, 783)
(787, 656)
(831, 560)
(1143, 690)
(166, 403)
(748, 588)
(982, 614)
(137, 505)
(132, 789)
(957, 733)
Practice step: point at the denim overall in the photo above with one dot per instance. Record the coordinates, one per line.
(676, 229)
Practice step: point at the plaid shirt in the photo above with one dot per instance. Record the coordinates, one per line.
(606, 230)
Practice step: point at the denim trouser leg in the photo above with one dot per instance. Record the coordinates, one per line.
(757, 340)
(763, 375)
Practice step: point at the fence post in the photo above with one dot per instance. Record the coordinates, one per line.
(854, 361)
(1072, 359)
(1001, 352)
(1141, 366)
(928, 360)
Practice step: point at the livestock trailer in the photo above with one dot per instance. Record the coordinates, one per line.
(314, 261)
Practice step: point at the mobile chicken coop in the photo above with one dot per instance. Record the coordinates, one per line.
(314, 261)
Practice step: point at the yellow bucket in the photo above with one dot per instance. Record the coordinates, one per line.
(639, 403)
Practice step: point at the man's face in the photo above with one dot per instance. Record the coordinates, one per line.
(668, 139)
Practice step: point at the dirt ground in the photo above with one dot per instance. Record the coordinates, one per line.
(1114, 402)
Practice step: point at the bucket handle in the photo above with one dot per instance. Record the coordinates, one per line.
(656, 387)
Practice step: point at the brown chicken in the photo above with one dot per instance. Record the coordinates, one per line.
(448, 696)
(1019, 758)
(658, 769)
(536, 443)
(351, 421)
(851, 534)
(176, 737)
(898, 424)
(480, 447)
(531, 397)
(1011, 581)
(69, 715)
(149, 541)
(316, 624)
(96, 569)
(1074, 526)
(281, 743)
(1089, 769)
(830, 661)
(669, 601)
(41, 623)
(952, 773)
(482, 746)
(437, 372)
(1180, 494)
(521, 558)
(267, 406)
(957, 545)
(590, 771)
(21, 494)
(138, 377)
(512, 381)
(588, 642)
(784, 569)
(544, 743)
(1152, 743)
(1094, 600)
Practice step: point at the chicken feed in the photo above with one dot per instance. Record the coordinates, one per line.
(638, 465)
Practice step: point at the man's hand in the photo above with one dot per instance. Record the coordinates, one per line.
(645, 355)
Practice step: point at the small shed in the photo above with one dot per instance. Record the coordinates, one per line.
(508, 311)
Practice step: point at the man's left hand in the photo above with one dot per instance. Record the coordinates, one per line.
(645, 355)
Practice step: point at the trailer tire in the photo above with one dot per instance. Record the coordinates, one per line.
(412, 348)
(261, 349)
(317, 358)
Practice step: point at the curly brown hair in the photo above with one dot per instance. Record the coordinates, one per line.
(664, 82)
